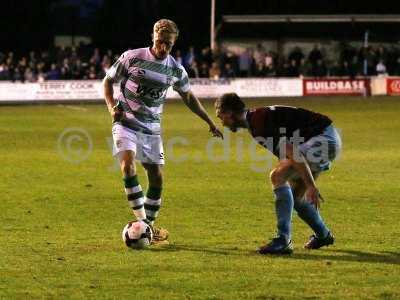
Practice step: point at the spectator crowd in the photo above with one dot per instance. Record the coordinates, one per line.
(64, 63)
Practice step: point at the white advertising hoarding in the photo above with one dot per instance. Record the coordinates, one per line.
(81, 90)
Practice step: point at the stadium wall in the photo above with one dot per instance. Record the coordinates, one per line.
(88, 90)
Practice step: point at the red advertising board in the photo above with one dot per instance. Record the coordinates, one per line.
(393, 86)
(336, 86)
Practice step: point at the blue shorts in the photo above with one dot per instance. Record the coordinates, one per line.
(321, 150)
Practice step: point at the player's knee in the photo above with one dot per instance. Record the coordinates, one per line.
(127, 168)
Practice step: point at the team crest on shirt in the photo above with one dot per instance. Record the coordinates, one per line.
(169, 80)
(138, 72)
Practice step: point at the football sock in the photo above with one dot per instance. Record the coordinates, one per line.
(309, 214)
(152, 203)
(135, 197)
(284, 207)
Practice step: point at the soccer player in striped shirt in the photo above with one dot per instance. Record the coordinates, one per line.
(145, 75)
(305, 143)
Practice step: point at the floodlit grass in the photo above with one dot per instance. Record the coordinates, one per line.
(61, 220)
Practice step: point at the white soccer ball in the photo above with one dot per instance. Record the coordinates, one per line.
(137, 235)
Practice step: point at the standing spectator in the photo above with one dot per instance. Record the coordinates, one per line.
(283, 69)
(96, 56)
(233, 60)
(269, 59)
(61, 54)
(259, 54)
(203, 73)
(304, 68)
(396, 68)
(4, 73)
(29, 75)
(319, 70)
(296, 54)
(334, 70)
(348, 52)
(22, 65)
(41, 77)
(228, 71)
(260, 69)
(17, 76)
(45, 58)
(92, 74)
(215, 71)
(367, 55)
(245, 63)
(270, 70)
(391, 60)
(65, 74)
(315, 55)
(189, 58)
(67, 68)
(77, 70)
(346, 70)
(54, 73)
(178, 57)
(371, 61)
(74, 55)
(105, 66)
(293, 70)
(32, 57)
(193, 70)
(381, 54)
(206, 56)
(381, 68)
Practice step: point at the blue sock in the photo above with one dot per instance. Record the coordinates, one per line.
(309, 214)
(284, 207)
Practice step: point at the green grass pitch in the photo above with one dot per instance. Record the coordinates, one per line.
(61, 218)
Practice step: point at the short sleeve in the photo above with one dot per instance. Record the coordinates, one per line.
(119, 69)
(182, 85)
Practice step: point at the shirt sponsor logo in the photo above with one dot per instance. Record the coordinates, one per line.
(154, 93)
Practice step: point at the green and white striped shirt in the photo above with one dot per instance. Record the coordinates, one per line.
(144, 81)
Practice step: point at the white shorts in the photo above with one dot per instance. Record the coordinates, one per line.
(148, 148)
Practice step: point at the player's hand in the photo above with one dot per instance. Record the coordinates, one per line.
(216, 132)
(314, 197)
(116, 114)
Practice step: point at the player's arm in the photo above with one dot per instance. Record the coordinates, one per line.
(300, 164)
(111, 103)
(117, 71)
(195, 106)
(109, 93)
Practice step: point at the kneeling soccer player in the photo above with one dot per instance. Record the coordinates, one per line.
(305, 143)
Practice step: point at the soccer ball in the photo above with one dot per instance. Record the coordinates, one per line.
(137, 235)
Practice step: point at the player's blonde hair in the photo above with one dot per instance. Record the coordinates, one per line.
(165, 26)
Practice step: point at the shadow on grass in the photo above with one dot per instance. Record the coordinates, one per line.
(390, 258)
(193, 248)
(386, 257)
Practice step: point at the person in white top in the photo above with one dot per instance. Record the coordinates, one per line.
(145, 75)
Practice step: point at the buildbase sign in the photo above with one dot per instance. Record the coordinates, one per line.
(393, 86)
(333, 86)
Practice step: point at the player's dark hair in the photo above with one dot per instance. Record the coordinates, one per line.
(230, 102)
